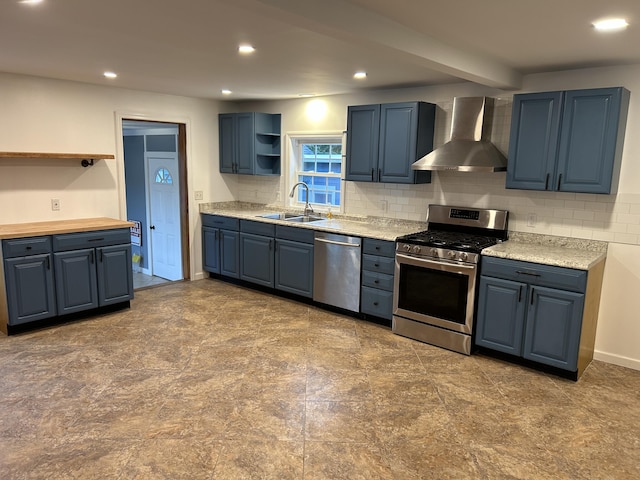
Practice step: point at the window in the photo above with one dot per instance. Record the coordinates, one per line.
(318, 163)
(163, 176)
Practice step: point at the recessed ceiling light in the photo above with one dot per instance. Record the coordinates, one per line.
(610, 24)
(110, 74)
(30, 2)
(360, 75)
(226, 91)
(246, 49)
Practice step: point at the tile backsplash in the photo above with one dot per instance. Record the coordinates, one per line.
(612, 218)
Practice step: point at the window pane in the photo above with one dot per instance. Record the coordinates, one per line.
(319, 159)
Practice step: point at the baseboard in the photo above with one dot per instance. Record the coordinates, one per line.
(617, 360)
(200, 276)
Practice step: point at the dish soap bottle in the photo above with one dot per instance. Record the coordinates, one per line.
(329, 214)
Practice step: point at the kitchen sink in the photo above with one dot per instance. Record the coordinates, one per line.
(292, 217)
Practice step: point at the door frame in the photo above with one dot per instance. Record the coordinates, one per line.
(184, 129)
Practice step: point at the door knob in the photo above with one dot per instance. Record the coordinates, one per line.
(152, 227)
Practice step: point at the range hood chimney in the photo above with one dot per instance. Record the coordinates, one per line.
(469, 149)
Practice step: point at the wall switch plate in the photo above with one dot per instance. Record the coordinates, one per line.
(55, 204)
(531, 220)
(198, 195)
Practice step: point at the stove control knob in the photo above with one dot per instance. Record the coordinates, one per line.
(464, 256)
(406, 247)
(416, 249)
(434, 252)
(452, 255)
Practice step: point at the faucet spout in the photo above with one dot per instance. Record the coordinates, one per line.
(307, 207)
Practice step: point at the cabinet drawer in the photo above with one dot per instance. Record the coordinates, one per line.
(295, 234)
(224, 223)
(99, 238)
(535, 273)
(374, 246)
(21, 247)
(376, 302)
(374, 263)
(377, 280)
(258, 228)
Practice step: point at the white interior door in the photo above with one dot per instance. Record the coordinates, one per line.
(164, 214)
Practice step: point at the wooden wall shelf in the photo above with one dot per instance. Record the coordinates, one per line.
(87, 158)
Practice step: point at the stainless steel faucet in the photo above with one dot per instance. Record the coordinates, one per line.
(307, 208)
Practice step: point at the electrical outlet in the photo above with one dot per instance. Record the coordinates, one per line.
(198, 195)
(55, 204)
(531, 220)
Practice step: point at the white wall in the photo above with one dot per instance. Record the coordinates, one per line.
(611, 218)
(43, 115)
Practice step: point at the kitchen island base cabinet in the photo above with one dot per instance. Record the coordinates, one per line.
(51, 276)
(542, 313)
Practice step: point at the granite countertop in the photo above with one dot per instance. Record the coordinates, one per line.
(37, 229)
(361, 226)
(550, 250)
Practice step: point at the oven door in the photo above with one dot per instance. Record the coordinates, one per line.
(436, 292)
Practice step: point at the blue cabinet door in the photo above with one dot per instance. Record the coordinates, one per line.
(533, 144)
(245, 143)
(230, 253)
(257, 259)
(294, 267)
(400, 144)
(227, 142)
(501, 314)
(554, 321)
(363, 133)
(590, 142)
(30, 290)
(76, 280)
(211, 249)
(115, 274)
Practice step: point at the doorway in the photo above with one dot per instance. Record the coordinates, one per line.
(156, 197)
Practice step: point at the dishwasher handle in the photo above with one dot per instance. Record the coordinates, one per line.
(343, 244)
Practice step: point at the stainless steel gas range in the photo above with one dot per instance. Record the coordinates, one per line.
(436, 271)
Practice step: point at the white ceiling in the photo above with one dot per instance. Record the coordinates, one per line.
(189, 47)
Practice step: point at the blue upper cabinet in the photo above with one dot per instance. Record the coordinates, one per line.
(384, 140)
(249, 143)
(568, 141)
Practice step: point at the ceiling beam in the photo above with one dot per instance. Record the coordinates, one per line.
(347, 21)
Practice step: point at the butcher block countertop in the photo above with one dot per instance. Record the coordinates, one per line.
(38, 229)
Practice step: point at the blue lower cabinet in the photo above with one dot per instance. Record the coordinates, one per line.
(554, 322)
(76, 280)
(30, 288)
(115, 274)
(257, 259)
(211, 249)
(531, 318)
(294, 267)
(376, 302)
(230, 253)
(378, 266)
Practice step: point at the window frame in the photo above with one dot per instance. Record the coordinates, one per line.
(296, 140)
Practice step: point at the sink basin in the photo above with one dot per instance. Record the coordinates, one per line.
(304, 218)
(280, 216)
(292, 217)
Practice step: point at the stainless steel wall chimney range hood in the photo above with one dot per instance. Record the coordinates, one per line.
(469, 149)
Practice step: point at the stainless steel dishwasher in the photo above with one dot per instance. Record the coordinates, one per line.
(336, 270)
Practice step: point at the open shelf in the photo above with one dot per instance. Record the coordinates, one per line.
(86, 158)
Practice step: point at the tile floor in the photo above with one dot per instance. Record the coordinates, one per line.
(140, 280)
(206, 380)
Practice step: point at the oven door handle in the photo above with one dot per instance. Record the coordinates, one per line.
(439, 263)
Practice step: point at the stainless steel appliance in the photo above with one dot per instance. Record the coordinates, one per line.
(336, 270)
(436, 271)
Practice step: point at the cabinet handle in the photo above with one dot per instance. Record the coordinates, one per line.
(546, 182)
(377, 247)
(375, 304)
(101, 239)
(101, 256)
(48, 263)
(373, 171)
(92, 257)
(29, 248)
(376, 282)
(270, 244)
(559, 181)
(520, 272)
(376, 264)
(532, 293)
(379, 175)
(520, 294)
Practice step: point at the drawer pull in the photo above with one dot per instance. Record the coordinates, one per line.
(375, 304)
(29, 247)
(520, 272)
(376, 264)
(376, 282)
(96, 239)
